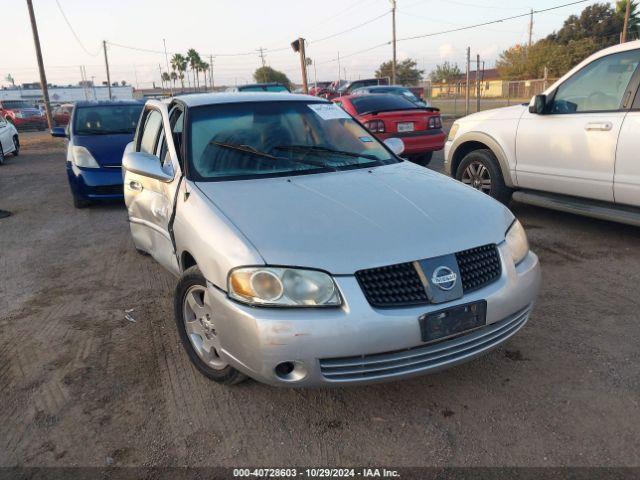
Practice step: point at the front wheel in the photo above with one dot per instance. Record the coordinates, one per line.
(80, 203)
(1, 156)
(422, 159)
(480, 170)
(16, 146)
(196, 322)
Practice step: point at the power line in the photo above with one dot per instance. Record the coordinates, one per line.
(350, 29)
(74, 32)
(468, 27)
(491, 22)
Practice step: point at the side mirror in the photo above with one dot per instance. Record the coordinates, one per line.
(538, 104)
(59, 132)
(396, 145)
(146, 165)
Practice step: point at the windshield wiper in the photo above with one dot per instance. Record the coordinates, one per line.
(318, 148)
(258, 153)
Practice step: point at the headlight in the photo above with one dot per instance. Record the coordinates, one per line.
(285, 287)
(453, 131)
(517, 242)
(83, 158)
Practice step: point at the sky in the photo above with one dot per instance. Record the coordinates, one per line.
(225, 28)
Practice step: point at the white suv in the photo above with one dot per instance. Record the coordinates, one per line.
(574, 148)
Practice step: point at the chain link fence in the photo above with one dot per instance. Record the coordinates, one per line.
(451, 98)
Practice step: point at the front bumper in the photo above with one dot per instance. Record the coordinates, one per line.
(447, 158)
(323, 342)
(96, 183)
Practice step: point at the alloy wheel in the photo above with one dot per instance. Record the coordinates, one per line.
(477, 175)
(199, 324)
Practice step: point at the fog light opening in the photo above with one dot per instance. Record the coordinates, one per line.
(290, 371)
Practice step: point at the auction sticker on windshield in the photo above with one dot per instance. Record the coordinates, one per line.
(328, 111)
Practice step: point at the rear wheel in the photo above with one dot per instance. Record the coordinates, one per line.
(196, 322)
(1, 156)
(480, 170)
(16, 145)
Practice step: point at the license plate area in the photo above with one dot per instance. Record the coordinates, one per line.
(452, 321)
(405, 127)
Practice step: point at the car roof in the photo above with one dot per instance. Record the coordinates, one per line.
(200, 99)
(107, 103)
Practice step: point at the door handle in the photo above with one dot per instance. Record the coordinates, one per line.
(135, 185)
(598, 126)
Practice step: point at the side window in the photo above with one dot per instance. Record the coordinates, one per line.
(176, 117)
(600, 86)
(152, 126)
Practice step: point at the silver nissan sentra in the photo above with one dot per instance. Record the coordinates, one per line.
(309, 253)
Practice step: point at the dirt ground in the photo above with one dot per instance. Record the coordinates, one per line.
(83, 386)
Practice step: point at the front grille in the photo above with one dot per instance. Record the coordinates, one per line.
(108, 190)
(432, 356)
(395, 285)
(400, 285)
(478, 267)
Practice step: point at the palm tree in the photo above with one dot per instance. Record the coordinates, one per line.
(165, 78)
(174, 78)
(194, 59)
(179, 64)
(204, 67)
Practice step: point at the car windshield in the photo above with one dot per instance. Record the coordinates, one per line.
(106, 119)
(381, 103)
(230, 141)
(16, 104)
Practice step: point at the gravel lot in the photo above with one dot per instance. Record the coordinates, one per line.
(81, 385)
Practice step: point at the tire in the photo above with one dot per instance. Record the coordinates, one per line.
(16, 144)
(80, 203)
(197, 333)
(422, 159)
(1, 156)
(480, 170)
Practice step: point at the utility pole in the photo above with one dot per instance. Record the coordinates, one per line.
(264, 63)
(161, 79)
(468, 81)
(43, 77)
(393, 39)
(84, 86)
(298, 46)
(106, 63)
(531, 29)
(338, 69)
(477, 83)
(166, 59)
(211, 71)
(627, 14)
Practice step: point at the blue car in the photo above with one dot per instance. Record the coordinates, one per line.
(98, 133)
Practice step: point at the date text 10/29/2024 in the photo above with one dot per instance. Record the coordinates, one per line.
(315, 472)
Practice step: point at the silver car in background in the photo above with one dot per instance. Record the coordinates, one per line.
(308, 253)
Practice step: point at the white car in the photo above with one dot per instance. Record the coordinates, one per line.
(574, 148)
(9, 140)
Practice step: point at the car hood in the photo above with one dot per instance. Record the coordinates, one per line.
(513, 112)
(106, 149)
(346, 221)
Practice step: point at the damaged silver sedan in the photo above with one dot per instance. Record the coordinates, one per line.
(309, 253)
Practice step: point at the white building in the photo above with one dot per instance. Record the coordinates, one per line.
(67, 94)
